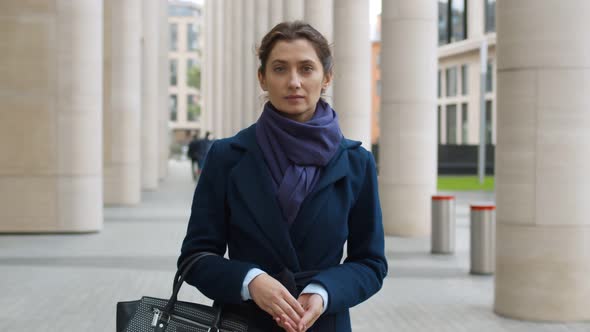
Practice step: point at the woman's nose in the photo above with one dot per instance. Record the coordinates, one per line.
(294, 81)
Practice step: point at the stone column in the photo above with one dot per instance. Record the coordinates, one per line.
(149, 96)
(227, 51)
(205, 48)
(249, 63)
(236, 112)
(407, 144)
(542, 158)
(293, 10)
(320, 14)
(352, 82)
(262, 27)
(51, 116)
(122, 100)
(275, 14)
(218, 68)
(163, 82)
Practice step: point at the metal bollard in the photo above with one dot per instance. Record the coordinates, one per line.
(483, 239)
(442, 239)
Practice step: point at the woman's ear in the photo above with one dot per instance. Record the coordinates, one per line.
(327, 80)
(262, 81)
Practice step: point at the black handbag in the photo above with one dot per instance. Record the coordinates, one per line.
(161, 315)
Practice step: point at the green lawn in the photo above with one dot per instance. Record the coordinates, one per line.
(463, 183)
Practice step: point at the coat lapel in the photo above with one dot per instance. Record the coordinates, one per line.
(336, 169)
(253, 182)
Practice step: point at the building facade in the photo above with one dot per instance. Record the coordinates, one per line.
(185, 54)
(463, 25)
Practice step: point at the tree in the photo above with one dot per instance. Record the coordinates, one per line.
(194, 77)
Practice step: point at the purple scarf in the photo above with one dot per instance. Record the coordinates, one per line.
(294, 152)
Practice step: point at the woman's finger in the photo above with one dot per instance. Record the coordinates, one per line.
(310, 316)
(295, 305)
(289, 311)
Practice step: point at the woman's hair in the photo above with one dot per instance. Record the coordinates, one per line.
(290, 31)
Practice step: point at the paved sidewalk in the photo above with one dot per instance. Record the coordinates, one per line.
(71, 282)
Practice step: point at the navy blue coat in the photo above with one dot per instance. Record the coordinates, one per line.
(234, 206)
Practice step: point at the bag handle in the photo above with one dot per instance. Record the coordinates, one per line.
(181, 274)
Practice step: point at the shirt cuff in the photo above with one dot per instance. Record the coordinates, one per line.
(317, 289)
(253, 273)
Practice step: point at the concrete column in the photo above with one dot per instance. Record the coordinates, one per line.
(227, 51)
(320, 14)
(262, 28)
(249, 63)
(275, 13)
(163, 81)
(236, 112)
(149, 96)
(209, 61)
(51, 116)
(122, 100)
(293, 10)
(407, 145)
(205, 65)
(218, 67)
(352, 82)
(542, 158)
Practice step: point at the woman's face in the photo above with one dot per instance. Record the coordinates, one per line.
(294, 78)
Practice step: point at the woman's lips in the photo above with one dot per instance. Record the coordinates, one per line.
(295, 99)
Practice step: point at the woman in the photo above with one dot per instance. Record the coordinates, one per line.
(285, 195)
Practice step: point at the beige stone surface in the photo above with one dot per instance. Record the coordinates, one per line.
(149, 96)
(122, 102)
(542, 157)
(408, 77)
(163, 79)
(352, 54)
(406, 208)
(542, 272)
(516, 148)
(407, 156)
(320, 14)
(293, 10)
(275, 14)
(543, 33)
(50, 110)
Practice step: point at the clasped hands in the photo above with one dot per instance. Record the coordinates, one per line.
(293, 315)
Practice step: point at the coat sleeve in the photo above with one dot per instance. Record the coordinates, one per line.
(362, 273)
(216, 277)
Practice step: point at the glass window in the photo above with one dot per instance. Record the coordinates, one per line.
(193, 111)
(488, 122)
(173, 36)
(173, 72)
(451, 124)
(192, 37)
(452, 21)
(458, 20)
(438, 128)
(193, 74)
(464, 124)
(464, 80)
(451, 81)
(181, 11)
(443, 22)
(490, 78)
(173, 107)
(490, 15)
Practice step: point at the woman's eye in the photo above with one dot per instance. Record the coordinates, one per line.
(279, 69)
(307, 69)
